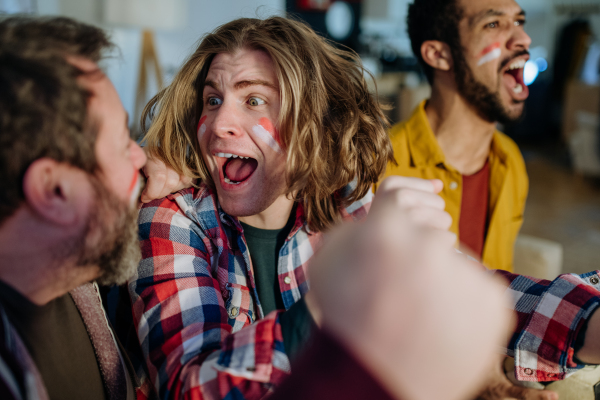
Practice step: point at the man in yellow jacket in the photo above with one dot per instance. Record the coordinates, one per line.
(473, 54)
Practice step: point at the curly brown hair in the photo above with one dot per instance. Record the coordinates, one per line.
(43, 110)
(332, 126)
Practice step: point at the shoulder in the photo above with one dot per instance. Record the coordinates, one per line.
(398, 132)
(508, 146)
(19, 377)
(509, 151)
(184, 208)
(357, 210)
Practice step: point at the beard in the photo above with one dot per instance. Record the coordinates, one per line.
(109, 239)
(486, 103)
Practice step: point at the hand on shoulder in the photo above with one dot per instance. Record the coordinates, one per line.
(161, 180)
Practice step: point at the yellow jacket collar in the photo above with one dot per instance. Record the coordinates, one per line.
(425, 149)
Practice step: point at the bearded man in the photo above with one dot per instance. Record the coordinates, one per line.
(68, 190)
(473, 54)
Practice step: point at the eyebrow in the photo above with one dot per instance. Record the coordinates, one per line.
(242, 84)
(212, 84)
(255, 82)
(489, 13)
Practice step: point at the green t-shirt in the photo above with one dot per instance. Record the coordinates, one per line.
(59, 344)
(264, 246)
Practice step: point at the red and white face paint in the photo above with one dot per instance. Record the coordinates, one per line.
(266, 132)
(490, 53)
(135, 188)
(201, 130)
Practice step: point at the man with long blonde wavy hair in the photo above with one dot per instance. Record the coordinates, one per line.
(286, 140)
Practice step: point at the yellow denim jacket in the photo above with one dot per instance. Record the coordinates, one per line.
(419, 155)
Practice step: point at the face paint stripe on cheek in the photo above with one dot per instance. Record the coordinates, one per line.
(135, 187)
(269, 136)
(201, 128)
(268, 125)
(490, 53)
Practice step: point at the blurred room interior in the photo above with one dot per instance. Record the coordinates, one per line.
(558, 136)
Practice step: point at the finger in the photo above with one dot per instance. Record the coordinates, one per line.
(172, 184)
(438, 185)
(522, 393)
(444, 240)
(405, 182)
(186, 181)
(154, 187)
(408, 198)
(430, 217)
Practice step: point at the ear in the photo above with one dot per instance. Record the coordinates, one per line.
(437, 54)
(50, 190)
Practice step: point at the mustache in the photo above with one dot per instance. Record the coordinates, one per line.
(505, 62)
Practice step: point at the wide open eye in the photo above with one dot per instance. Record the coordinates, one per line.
(214, 101)
(256, 101)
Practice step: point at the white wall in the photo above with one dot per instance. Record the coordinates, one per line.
(173, 46)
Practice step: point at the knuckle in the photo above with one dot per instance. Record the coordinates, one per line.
(405, 197)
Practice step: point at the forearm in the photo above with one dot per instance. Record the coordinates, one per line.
(550, 316)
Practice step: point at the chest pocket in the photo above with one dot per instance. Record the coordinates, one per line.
(239, 305)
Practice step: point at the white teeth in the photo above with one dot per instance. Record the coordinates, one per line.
(517, 65)
(229, 155)
(518, 89)
(227, 180)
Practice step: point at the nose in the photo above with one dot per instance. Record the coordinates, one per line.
(519, 39)
(138, 156)
(225, 121)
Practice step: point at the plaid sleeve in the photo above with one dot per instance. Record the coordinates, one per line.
(181, 318)
(19, 377)
(550, 315)
(359, 209)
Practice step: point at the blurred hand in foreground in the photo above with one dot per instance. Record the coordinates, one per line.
(161, 180)
(418, 315)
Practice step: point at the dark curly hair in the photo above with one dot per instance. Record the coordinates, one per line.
(434, 20)
(43, 110)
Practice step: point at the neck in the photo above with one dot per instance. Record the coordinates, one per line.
(464, 137)
(274, 217)
(29, 261)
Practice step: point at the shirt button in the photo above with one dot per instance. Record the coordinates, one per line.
(233, 312)
(528, 371)
(287, 280)
(551, 375)
(594, 280)
(453, 185)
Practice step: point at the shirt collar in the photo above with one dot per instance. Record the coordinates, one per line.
(425, 149)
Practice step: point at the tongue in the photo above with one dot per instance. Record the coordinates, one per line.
(238, 169)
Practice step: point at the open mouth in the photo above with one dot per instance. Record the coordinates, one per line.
(236, 168)
(513, 77)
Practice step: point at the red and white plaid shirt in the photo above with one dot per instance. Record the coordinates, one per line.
(195, 304)
(203, 332)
